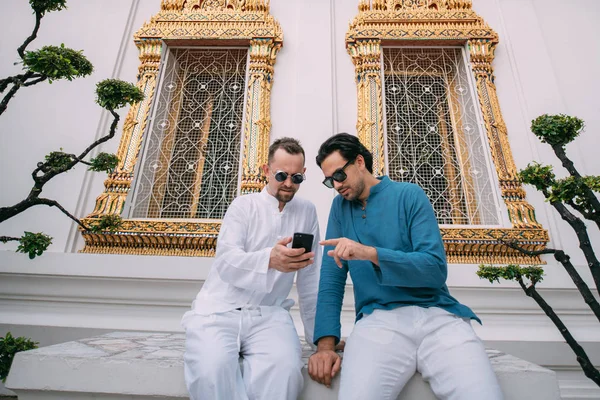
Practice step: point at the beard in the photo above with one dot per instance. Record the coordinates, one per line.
(353, 192)
(285, 196)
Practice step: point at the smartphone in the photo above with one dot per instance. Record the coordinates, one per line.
(303, 240)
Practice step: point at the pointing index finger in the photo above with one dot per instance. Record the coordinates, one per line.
(329, 242)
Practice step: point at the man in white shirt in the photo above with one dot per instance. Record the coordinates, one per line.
(243, 309)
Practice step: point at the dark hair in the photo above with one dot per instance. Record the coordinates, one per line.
(290, 145)
(349, 147)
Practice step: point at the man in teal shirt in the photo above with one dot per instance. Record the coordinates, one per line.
(386, 235)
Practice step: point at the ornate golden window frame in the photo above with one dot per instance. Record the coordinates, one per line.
(446, 23)
(190, 23)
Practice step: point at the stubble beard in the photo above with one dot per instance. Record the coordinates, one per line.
(284, 196)
(355, 191)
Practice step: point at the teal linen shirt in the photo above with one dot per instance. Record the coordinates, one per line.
(399, 222)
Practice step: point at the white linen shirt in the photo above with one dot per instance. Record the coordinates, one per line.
(240, 276)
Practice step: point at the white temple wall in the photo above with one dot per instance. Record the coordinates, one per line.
(547, 62)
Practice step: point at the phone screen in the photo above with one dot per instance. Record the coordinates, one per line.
(303, 240)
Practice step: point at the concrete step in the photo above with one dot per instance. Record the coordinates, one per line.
(140, 366)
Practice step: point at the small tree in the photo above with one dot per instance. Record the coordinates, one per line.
(570, 197)
(48, 64)
(9, 346)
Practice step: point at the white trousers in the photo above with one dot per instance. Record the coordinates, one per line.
(264, 337)
(386, 348)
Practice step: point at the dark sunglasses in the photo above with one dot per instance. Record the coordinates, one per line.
(339, 176)
(297, 178)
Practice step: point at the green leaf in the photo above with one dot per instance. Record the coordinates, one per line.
(538, 175)
(44, 6)
(104, 162)
(9, 346)
(58, 62)
(113, 94)
(109, 222)
(34, 244)
(593, 182)
(576, 190)
(511, 272)
(57, 161)
(557, 129)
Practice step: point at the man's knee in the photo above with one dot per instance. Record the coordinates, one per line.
(287, 363)
(277, 375)
(282, 364)
(291, 369)
(209, 365)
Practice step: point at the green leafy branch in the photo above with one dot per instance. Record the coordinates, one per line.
(534, 274)
(511, 272)
(48, 63)
(558, 131)
(110, 93)
(578, 193)
(9, 346)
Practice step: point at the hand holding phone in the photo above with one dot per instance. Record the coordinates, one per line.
(284, 259)
(303, 240)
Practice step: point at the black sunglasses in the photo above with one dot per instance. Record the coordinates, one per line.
(281, 176)
(339, 176)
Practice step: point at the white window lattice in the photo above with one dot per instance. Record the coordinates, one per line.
(433, 135)
(191, 157)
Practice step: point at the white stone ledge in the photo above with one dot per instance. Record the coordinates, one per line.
(125, 365)
(113, 292)
(197, 268)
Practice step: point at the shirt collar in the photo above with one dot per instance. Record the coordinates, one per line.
(273, 202)
(384, 182)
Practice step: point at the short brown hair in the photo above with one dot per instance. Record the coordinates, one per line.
(290, 145)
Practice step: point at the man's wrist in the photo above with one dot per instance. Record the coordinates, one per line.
(373, 256)
(326, 343)
(271, 259)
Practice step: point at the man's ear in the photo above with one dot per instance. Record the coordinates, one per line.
(360, 162)
(265, 169)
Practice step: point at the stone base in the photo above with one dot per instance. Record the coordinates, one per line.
(136, 366)
(5, 393)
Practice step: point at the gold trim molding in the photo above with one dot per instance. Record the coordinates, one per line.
(432, 23)
(485, 245)
(198, 239)
(190, 23)
(155, 237)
